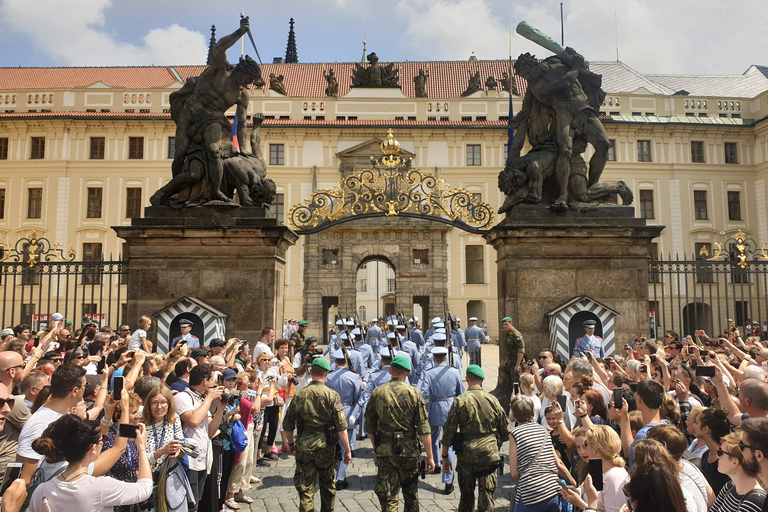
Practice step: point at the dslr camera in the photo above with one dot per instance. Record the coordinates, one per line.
(310, 355)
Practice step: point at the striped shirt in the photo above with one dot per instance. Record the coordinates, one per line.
(728, 501)
(538, 481)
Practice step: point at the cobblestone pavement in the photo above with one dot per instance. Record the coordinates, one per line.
(276, 492)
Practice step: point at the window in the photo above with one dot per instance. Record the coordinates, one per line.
(653, 307)
(94, 203)
(700, 204)
(277, 154)
(91, 273)
(506, 151)
(653, 255)
(612, 150)
(391, 283)
(739, 275)
(2, 203)
(29, 275)
(643, 151)
(97, 148)
(741, 308)
(3, 148)
(277, 207)
(133, 203)
(90, 309)
(330, 256)
(135, 148)
(646, 204)
(363, 314)
(473, 154)
(731, 156)
(734, 205)
(477, 196)
(704, 273)
(171, 147)
(34, 203)
(421, 256)
(362, 280)
(697, 152)
(38, 148)
(474, 263)
(27, 312)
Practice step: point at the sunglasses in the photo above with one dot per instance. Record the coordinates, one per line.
(743, 445)
(13, 368)
(9, 401)
(721, 452)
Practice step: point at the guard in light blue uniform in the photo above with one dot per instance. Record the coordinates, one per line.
(431, 330)
(348, 385)
(440, 386)
(474, 335)
(457, 338)
(354, 357)
(589, 342)
(365, 350)
(373, 338)
(416, 335)
(414, 355)
(333, 343)
(427, 359)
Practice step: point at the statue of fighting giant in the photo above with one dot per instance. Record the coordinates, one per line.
(208, 166)
(559, 117)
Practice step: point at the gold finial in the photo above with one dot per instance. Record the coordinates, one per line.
(390, 146)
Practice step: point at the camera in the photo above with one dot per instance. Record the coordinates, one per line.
(229, 398)
(310, 355)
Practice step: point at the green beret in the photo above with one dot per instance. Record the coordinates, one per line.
(402, 362)
(506, 319)
(476, 371)
(322, 363)
(303, 322)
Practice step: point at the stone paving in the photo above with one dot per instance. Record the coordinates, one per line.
(276, 492)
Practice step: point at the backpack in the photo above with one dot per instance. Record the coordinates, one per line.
(239, 439)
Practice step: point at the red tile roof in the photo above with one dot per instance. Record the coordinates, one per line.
(448, 79)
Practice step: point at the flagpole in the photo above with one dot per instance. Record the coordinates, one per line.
(510, 131)
(242, 38)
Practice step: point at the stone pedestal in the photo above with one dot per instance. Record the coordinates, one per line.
(232, 258)
(546, 258)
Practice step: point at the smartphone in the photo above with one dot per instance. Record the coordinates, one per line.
(596, 472)
(643, 369)
(577, 403)
(12, 472)
(127, 430)
(516, 388)
(562, 400)
(699, 333)
(653, 359)
(705, 371)
(617, 398)
(117, 387)
(102, 364)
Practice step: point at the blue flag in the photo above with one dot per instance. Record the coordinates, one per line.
(234, 134)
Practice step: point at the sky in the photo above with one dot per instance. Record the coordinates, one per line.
(654, 36)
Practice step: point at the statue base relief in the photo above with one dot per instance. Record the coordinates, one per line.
(545, 258)
(232, 258)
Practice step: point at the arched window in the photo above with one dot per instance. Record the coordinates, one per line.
(362, 313)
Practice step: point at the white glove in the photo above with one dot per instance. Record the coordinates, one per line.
(352, 420)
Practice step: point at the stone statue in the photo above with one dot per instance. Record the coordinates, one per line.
(203, 132)
(375, 75)
(420, 83)
(491, 83)
(276, 84)
(333, 84)
(508, 84)
(473, 85)
(559, 118)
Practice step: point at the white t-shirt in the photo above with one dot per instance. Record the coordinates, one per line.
(536, 404)
(694, 485)
(612, 496)
(135, 342)
(89, 494)
(33, 429)
(259, 348)
(189, 400)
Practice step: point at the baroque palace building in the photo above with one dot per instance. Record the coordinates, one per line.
(82, 149)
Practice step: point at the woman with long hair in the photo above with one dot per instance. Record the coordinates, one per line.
(591, 410)
(653, 483)
(743, 492)
(164, 433)
(79, 443)
(709, 428)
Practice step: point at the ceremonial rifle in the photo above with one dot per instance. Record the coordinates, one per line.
(448, 345)
(344, 348)
(403, 321)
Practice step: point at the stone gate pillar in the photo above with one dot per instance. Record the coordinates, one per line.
(546, 258)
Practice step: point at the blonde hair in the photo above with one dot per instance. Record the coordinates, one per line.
(243, 377)
(552, 385)
(144, 321)
(526, 381)
(604, 440)
(263, 356)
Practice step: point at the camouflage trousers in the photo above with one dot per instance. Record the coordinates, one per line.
(467, 475)
(304, 480)
(394, 473)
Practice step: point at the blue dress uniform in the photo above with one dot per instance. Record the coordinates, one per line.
(589, 342)
(428, 360)
(192, 341)
(333, 343)
(431, 330)
(373, 338)
(348, 385)
(440, 385)
(474, 335)
(416, 335)
(457, 338)
(414, 356)
(365, 350)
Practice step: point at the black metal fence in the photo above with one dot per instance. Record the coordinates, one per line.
(713, 296)
(76, 289)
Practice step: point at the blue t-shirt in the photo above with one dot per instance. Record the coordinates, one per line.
(179, 385)
(641, 434)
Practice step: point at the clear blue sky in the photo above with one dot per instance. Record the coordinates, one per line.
(654, 36)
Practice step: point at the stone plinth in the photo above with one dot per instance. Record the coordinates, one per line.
(232, 258)
(545, 258)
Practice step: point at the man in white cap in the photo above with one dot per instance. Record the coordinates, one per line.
(411, 349)
(440, 385)
(348, 385)
(474, 335)
(373, 338)
(365, 350)
(416, 335)
(333, 343)
(431, 330)
(589, 342)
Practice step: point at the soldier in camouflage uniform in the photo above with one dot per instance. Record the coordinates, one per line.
(298, 339)
(514, 353)
(396, 409)
(313, 410)
(481, 424)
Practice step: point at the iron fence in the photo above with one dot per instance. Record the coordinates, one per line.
(689, 295)
(76, 289)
